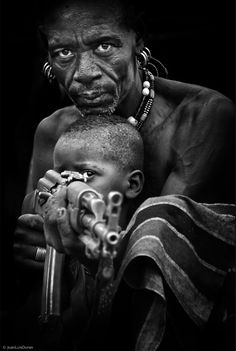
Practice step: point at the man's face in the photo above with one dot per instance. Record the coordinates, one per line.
(93, 57)
(102, 175)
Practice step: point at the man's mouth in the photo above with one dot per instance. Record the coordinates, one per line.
(95, 101)
(92, 99)
(90, 95)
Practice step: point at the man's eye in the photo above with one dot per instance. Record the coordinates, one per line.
(64, 53)
(103, 48)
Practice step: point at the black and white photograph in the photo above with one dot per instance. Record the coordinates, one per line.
(117, 175)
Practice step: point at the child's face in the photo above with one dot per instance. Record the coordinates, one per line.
(103, 176)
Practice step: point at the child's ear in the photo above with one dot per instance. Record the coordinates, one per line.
(135, 184)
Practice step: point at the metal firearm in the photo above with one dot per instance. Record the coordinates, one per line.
(95, 221)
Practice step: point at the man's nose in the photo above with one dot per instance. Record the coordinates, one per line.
(87, 68)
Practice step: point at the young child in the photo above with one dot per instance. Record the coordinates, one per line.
(110, 153)
(173, 260)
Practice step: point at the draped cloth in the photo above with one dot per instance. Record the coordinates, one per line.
(192, 248)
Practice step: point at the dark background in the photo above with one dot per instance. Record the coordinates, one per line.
(194, 39)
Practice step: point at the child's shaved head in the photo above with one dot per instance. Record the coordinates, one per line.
(112, 136)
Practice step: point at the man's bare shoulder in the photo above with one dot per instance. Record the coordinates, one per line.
(53, 125)
(187, 116)
(180, 92)
(191, 135)
(202, 124)
(191, 103)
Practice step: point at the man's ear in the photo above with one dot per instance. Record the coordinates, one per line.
(139, 44)
(135, 184)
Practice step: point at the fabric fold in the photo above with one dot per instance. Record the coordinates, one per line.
(189, 246)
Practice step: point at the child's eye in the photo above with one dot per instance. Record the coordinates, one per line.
(88, 174)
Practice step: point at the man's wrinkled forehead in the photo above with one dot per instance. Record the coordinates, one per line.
(76, 12)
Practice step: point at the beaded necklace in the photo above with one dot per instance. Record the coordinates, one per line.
(146, 102)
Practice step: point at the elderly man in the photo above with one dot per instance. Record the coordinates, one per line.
(98, 57)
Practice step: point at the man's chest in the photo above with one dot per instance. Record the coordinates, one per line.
(158, 155)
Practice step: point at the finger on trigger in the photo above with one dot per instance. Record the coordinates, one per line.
(63, 223)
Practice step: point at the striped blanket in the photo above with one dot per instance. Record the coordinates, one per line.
(192, 246)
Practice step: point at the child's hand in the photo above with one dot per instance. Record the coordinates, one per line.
(58, 230)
